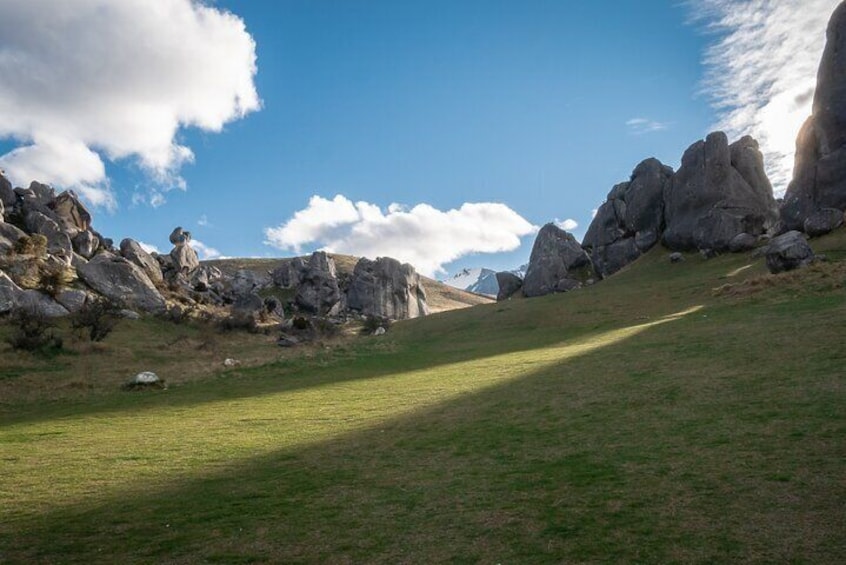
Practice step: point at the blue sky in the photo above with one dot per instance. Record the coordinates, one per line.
(531, 110)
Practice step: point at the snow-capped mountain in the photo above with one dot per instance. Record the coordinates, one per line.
(480, 281)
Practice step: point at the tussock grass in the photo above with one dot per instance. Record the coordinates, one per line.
(645, 419)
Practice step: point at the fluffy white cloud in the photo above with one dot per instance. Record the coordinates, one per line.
(761, 70)
(206, 251)
(640, 126)
(89, 79)
(567, 225)
(424, 236)
(149, 248)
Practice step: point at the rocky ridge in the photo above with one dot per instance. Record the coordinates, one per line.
(52, 261)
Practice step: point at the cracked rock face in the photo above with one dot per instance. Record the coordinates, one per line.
(819, 172)
(388, 289)
(557, 263)
(719, 191)
(631, 220)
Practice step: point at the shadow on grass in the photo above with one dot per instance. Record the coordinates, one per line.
(583, 460)
(450, 339)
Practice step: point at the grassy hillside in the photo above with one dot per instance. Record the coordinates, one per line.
(441, 297)
(674, 413)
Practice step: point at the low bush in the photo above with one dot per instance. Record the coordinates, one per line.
(32, 331)
(97, 318)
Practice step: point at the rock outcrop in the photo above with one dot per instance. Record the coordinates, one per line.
(557, 263)
(122, 281)
(133, 252)
(319, 292)
(509, 285)
(388, 289)
(819, 172)
(631, 220)
(788, 251)
(719, 191)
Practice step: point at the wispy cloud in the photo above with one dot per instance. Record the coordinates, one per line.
(640, 126)
(424, 236)
(89, 80)
(761, 68)
(206, 252)
(203, 221)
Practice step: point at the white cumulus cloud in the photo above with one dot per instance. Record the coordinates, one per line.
(205, 252)
(567, 225)
(761, 70)
(424, 236)
(89, 80)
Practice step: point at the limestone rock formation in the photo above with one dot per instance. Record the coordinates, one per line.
(288, 274)
(121, 281)
(557, 263)
(788, 251)
(185, 259)
(132, 251)
(319, 292)
(719, 191)
(509, 285)
(58, 241)
(70, 213)
(819, 171)
(631, 220)
(86, 243)
(7, 193)
(388, 289)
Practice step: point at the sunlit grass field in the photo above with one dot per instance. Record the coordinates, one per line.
(673, 413)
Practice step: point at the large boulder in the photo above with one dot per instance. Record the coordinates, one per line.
(185, 259)
(12, 296)
(557, 263)
(319, 292)
(509, 285)
(788, 251)
(9, 235)
(70, 213)
(7, 193)
(122, 281)
(388, 289)
(58, 242)
(631, 220)
(132, 251)
(86, 243)
(719, 191)
(289, 273)
(819, 170)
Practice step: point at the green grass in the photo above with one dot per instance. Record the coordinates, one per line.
(660, 416)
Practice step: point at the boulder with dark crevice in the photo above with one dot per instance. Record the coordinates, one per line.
(557, 263)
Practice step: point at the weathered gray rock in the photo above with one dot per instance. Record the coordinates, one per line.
(132, 251)
(788, 251)
(676, 257)
(7, 193)
(58, 241)
(10, 293)
(185, 259)
(819, 171)
(145, 380)
(41, 304)
(388, 289)
(206, 278)
(319, 292)
(245, 282)
(38, 195)
(509, 285)
(179, 236)
(557, 263)
(73, 217)
(720, 191)
(823, 221)
(9, 235)
(72, 299)
(86, 243)
(122, 281)
(742, 242)
(630, 220)
(289, 273)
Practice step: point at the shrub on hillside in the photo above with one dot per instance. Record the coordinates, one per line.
(53, 279)
(32, 331)
(97, 318)
(35, 244)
